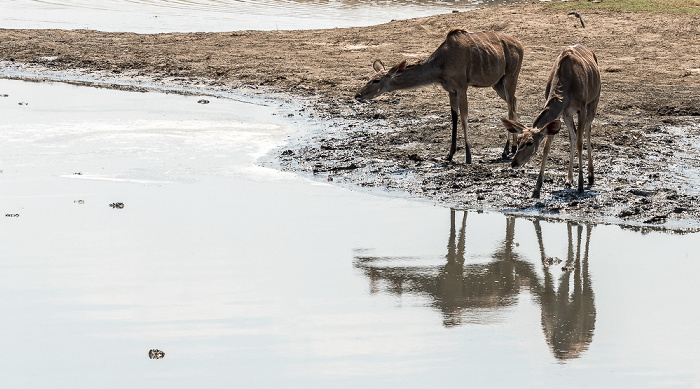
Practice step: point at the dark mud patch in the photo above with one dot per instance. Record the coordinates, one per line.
(646, 177)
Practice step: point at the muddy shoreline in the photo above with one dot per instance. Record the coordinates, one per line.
(646, 135)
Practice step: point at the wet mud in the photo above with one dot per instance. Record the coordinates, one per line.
(645, 137)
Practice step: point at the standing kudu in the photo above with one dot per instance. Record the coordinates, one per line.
(573, 88)
(464, 59)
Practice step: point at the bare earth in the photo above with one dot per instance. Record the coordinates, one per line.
(646, 136)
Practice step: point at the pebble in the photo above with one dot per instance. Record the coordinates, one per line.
(156, 354)
(549, 261)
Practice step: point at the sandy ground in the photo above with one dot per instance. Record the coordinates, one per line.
(646, 136)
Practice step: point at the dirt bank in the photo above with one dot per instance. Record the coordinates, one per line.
(646, 136)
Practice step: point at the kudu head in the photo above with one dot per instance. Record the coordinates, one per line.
(381, 82)
(529, 139)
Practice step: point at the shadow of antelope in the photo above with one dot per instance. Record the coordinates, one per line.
(472, 292)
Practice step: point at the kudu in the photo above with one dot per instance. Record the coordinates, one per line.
(573, 88)
(478, 59)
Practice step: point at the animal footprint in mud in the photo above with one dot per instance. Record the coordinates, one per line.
(156, 354)
(117, 205)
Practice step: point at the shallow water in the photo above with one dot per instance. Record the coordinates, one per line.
(248, 277)
(150, 16)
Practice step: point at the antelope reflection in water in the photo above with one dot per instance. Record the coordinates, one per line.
(458, 289)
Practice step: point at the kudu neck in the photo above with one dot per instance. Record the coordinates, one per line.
(415, 76)
(551, 111)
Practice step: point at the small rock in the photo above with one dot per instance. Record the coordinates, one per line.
(79, 201)
(12, 215)
(117, 205)
(156, 354)
(549, 261)
(640, 192)
(628, 212)
(203, 101)
(658, 219)
(415, 157)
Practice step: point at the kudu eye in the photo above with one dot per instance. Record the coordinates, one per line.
(375, 81)
(530, 142)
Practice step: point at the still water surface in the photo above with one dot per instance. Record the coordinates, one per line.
(149, 16)
(248, 277)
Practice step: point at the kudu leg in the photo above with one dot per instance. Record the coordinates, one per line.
(590, 114)
(569, 120)
(453, 110)
(547, 145)
(590, 155)
(507, 93)
(463, 111)
(510, 83)
(580, 132)
(513, 115)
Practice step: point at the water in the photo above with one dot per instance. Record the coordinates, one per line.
(152, 16)
(249, 277)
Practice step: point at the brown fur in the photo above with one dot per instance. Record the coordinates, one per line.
(464, 59)
(573, 88)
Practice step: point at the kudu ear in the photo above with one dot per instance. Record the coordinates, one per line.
(397, 69)
(513, 126)
(552, 128)
(401, 67)
(378, 66)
